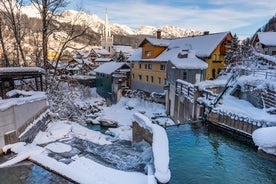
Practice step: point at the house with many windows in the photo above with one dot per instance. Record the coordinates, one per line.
(265, 43)
(149, 63)
(209, 47)
(148, 69)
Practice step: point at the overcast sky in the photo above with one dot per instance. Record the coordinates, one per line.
(243, 17)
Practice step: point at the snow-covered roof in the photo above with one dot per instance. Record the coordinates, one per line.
(28, 96)
(100, 51)
(202, 45)
(156, 42)
(4, 70)
(85, 54)
(267, 38)
(103, 59)
(81, 61)
(123, 48)
(109, 68)
(189, 62)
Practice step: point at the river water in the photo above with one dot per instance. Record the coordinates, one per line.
(198, 155)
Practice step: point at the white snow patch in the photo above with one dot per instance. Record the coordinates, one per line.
(265, 138)
(65, 129)
(58, 147)
(160, 148)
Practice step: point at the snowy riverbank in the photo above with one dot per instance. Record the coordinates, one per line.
(65, 146)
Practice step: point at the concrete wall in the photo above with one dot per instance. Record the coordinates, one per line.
(15, 119)
(146, 87)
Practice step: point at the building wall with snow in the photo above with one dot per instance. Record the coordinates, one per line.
(147, 88)
(15, 119)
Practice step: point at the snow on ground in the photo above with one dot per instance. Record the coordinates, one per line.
(123, 111)
(82, 170)
(65, 130)
(243, 109)
(58, 147)
(265, 138)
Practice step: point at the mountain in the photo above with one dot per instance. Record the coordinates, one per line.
(97, 24)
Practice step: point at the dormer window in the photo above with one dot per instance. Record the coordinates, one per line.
(148, 53)
(183, 54)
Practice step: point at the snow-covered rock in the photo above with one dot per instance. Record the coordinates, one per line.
(265, 138)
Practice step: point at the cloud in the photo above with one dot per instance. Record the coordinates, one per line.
(212, 15)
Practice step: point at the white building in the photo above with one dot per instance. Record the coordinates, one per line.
(106, 37)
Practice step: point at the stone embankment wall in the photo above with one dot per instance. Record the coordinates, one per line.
(38, 125)
(140, 133)
(15, 119)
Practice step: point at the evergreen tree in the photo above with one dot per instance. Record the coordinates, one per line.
(233, 54)
(121, 57)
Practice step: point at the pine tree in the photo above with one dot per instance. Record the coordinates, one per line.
(233, 54)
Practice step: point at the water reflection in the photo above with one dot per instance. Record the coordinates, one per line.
(199, 155)
(28, 173)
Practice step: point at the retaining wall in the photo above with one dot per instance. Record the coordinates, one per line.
(15, 119)
(241, 127)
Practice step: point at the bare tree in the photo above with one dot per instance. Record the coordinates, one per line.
(7, 63)
(70, 33)
(48, 9)
(12, 14)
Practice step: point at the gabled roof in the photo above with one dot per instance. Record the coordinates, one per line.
(267, 38)
(202, 45)
(156, 42)
(123, 48)
(103, 59)
(110, 67)
(100, 51)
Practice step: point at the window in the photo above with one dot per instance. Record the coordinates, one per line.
(214, 73)
(152, 79)
(147, 78)
(140, 66)
(148, 53)
(133, 76)
(162, 67)
(140, 77)
(146, 66)
(159, 80)
(149, 66)
(184, 75)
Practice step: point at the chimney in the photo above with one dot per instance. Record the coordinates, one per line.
(158, 34)
(206, 33)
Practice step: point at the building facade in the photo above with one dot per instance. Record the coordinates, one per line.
(148, 69)
(265, 43)
(149, 62)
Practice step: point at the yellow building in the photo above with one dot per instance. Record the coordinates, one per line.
(148, 69)
(52, 55)
(149, 62)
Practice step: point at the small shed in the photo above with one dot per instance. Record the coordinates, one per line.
(10, 77)
(111, 79)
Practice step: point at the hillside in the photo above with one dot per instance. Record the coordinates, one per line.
(122, 34)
